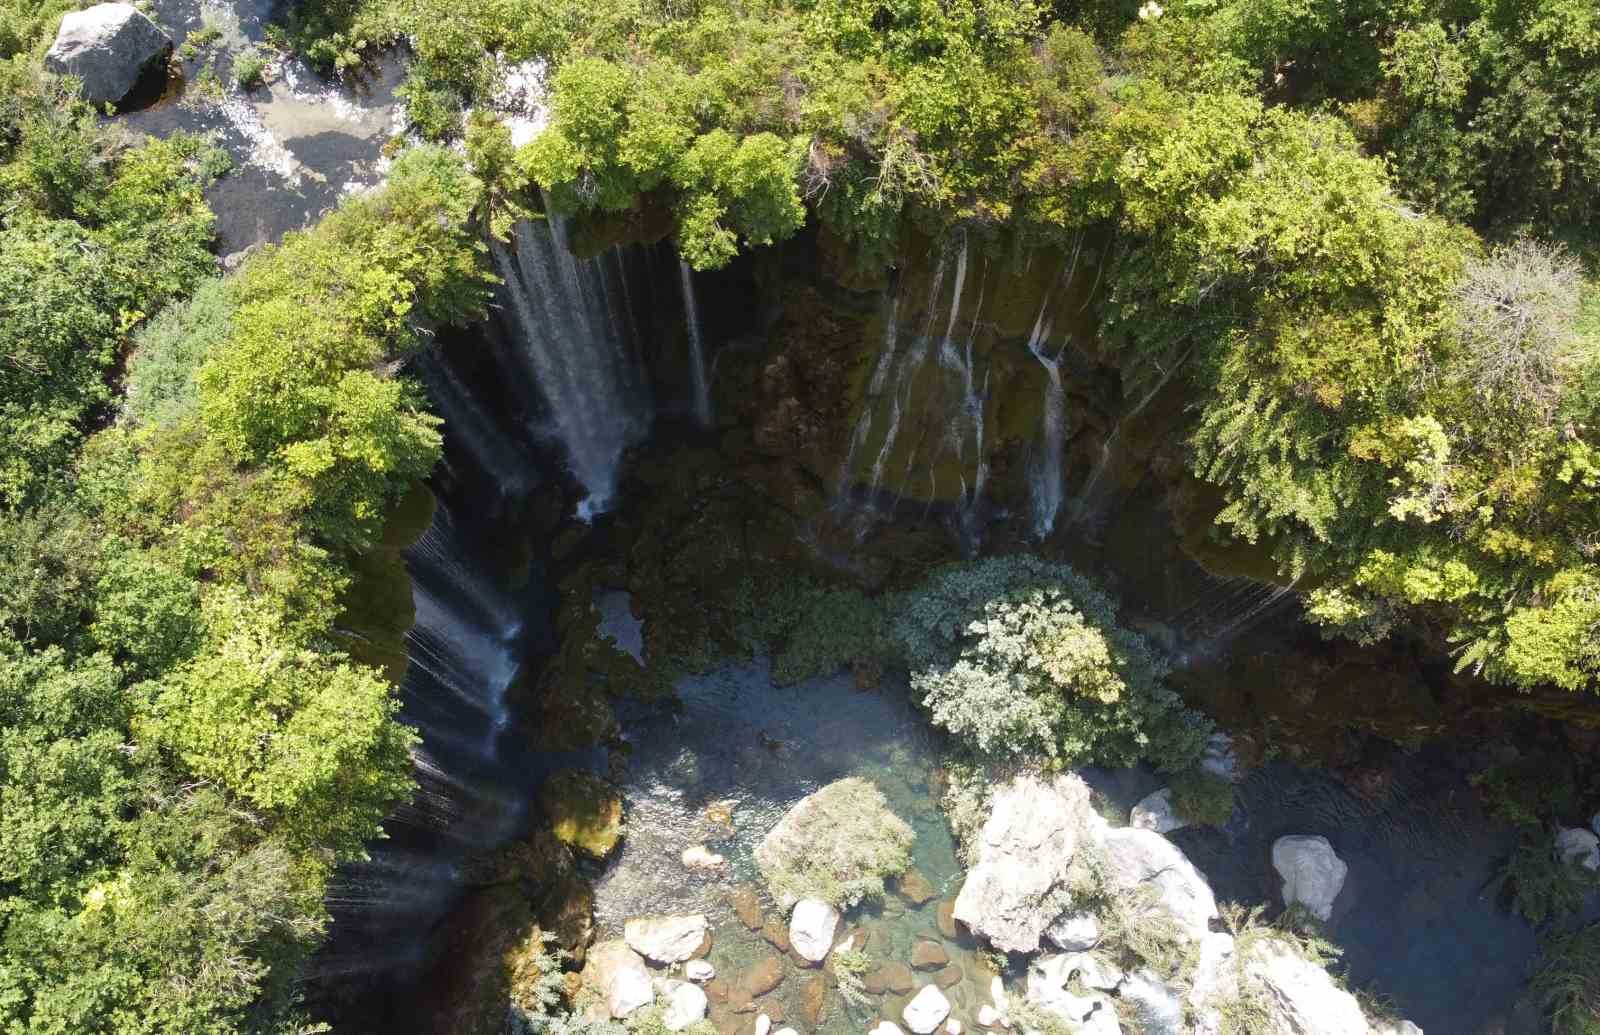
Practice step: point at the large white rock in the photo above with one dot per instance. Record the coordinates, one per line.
(926, 1011)
(763, 1024)
(1144, 857)
(1023, 852)
(886, 1028)
(1300, 996)
(620, 975)
(1154, 812)
(988, 1016)
(686, 1005)
(1074, 932)
(1313, 874)
(812, 927)
(665, 939)
(699, 970)
(107, 46)
(1577, 845)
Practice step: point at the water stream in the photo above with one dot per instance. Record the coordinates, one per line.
(697, 348)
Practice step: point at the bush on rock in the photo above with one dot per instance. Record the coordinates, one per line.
(836, 845)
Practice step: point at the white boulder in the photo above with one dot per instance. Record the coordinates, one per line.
(1074, 932)
(886, 1028)
(952, 1027)
(699, 857)
(620, 975)
(926, 1011)
(686, 1005)
(1154, 812)
(699, 970)
(1144, 857)
(988, 1016)
(1023, 851)
(665, 939)
(812, 927)
(1300, 996)
(1313, 874)
(763, 1024)
(108, 47)
(1577, 845)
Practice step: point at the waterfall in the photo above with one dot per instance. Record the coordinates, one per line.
(880, 376)
(1045, 482)
(574, 333)
(697, 351)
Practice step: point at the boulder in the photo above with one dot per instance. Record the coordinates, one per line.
(666, 939)
(762, 978)
(686, 1005)
(950, 976)
(1023, 852)
(619, 974)
(699, 970)
(1144, 857)
(1154, 812)
(944, 915)
(1074, 932)
(886, 1028)
(108, 47)
(776, 933)
(842, 838)
(1300, 996)
(1576, 845)
(892, 976)
(928, 954)
(699, 857)
(747, 907)
(952, 1027)
(988, 1016)
(926, 1011)
(763, 1025)
(1213, 984)
(915, 888)
(584, 811)
(812, 927)
(1313, 874)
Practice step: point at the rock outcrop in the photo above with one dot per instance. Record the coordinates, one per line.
(1300, 997)
(1023, 853)
(1312, 872)
(1145, 858)
(665, 939)
(108, 47)
(1154, 812)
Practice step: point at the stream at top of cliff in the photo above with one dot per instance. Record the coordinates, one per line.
(1415, 922)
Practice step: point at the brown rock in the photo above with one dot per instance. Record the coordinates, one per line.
(739, 1000)
(915, 888)
(813, 999)
(763, 977)
(893, 976)
(945, 916)
(717, 990)
(949, 976)
(928, 954)
(773, 1008)
(704, 948)
(746, 906)
(776, 933)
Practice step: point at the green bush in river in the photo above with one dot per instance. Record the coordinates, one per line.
(1566, 983)
(1017, 656)
(1202, 797)
(837, 845)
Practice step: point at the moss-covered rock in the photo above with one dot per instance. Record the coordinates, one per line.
(837, 845)
(584, 811)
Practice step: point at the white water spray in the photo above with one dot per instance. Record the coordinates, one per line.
(697, 350)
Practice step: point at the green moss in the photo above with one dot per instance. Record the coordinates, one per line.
(584, 811)
(1202, 797)
(838, 845)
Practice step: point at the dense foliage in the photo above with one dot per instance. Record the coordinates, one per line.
(1022, 658)
(185, 751)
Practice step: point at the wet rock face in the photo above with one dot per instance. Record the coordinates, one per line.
(108, 47)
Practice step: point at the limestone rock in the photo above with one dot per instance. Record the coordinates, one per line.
(584, 811)
(699, 970)
(1023, 852)
(1214, 983)
(811, 928)
(1313, 874)
(108, 47)
(665, 939)
(1576, 845)
(926, 1011)
(928, 954)
(620, 975)
(841, 837)
(1074, 932)
(1154, 812)
(699, 857)
(686, 1005)
(1145, 857)
(1301, 997)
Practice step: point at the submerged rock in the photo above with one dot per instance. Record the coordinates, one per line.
(1313, 874)
(747, 907)
(926, 1011)
(944, 916)
(666, 939)
(108, 47)
(915, 888)
(699, 857)
(1154, 812)
(928, 954)
(812, 927)
(584, 811)
(892, 976)
(1023, 853)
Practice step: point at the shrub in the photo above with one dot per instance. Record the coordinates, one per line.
(1540, 884)
(249, 68)
(837, 844)
(1202, 797)
(1017, 656)
(1567, 982)
(171, 347)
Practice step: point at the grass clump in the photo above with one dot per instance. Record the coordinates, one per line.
(1566, 983)
(249, 69)
(837, 845)
(1202, 797)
